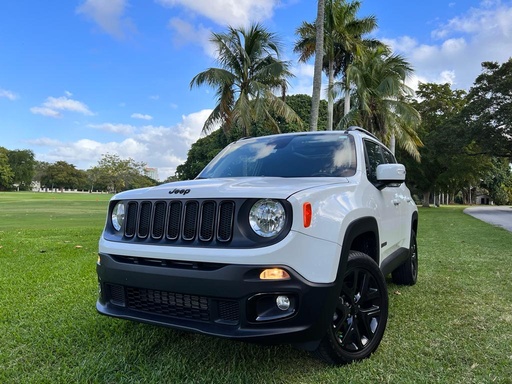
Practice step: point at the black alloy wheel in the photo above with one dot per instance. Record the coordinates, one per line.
(361, 313)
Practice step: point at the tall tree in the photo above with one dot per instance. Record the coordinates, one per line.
(22, 164)
(6, 173)
(382, 99)
(443, 140)
(116, 173)
(317, 76)
(489, 111)
(250, 71)
(62, 175)
(343, 39)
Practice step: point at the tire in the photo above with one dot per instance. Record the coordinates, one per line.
(407, 273)
(361, 313)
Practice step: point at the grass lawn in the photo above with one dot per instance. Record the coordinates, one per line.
(454, 326)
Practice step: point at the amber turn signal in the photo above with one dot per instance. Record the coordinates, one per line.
(307, 214)
(274, 274)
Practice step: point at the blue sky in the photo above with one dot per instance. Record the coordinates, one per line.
(80, 78)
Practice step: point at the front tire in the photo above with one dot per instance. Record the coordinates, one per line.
(361, 313)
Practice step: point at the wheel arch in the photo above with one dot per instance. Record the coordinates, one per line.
(361, 235)
(414, 222)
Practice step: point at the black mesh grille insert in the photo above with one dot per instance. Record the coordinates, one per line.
(177, 305)
(229, 311)
(117, 295)
(168, 303)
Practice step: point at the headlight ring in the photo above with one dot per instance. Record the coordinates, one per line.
(118, 215)
(267, 218)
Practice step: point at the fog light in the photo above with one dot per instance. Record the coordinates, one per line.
(283, 303)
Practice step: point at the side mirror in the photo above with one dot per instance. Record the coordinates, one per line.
(389, 174)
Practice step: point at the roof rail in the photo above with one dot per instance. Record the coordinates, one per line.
(355, 128)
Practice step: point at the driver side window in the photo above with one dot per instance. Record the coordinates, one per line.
(374, 158)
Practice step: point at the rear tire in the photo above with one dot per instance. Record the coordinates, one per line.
(407, 273)
(361, 313)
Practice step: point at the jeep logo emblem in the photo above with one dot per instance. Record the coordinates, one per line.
(177, 191)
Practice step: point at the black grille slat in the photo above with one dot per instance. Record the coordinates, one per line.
(144, 219)
(190, 220)
(226, 216)
(158, 220)
(131, 219)
(207, 228)
(176, 221)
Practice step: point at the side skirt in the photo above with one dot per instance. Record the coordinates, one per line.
(394, 260)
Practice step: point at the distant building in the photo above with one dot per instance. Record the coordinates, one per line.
(151, 172)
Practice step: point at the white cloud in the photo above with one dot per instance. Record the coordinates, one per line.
(53, 105)
(463, 43)
(141, 116)
(124, 129)
(187, 33)
(228, 12)
(109, 15)
(45, 112)
(159, 146)
(8, 94)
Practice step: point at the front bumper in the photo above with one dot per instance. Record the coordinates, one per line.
(223, 300)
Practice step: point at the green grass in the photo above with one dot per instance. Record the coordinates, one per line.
(454, 326)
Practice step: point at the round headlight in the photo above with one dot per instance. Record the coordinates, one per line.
(267, 218)
(118, 216)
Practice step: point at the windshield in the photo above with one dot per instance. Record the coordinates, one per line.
(307, 155)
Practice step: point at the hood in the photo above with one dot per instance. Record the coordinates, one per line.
(245, 187)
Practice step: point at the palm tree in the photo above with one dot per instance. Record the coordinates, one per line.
(317, 77)
(250, 71)
(343, 39)
(381, 99)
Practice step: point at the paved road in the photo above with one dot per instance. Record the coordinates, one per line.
(500, 216)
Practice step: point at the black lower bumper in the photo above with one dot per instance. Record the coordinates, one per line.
(215, 299)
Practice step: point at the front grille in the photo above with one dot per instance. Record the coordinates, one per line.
(176, 305)
(187, 220)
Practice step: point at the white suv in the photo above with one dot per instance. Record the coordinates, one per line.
(282, 239)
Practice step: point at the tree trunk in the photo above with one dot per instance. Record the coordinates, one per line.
(392, 144)
(330, 101)
(426, 199)
(347, 99)
(317, 77)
